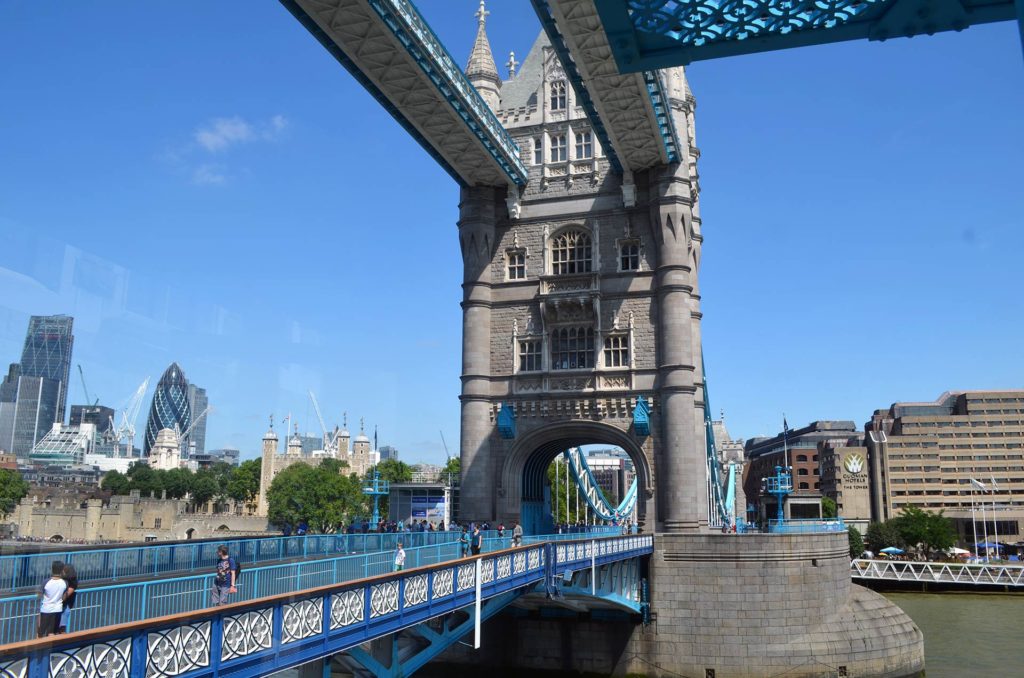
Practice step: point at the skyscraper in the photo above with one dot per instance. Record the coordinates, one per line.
(198, 403)
(47, 354)
(33, 395)
(170, 408)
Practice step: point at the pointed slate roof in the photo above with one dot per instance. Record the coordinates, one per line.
(522, 90)
(481, 60)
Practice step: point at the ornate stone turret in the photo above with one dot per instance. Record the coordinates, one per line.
(295, 444)
(481, 70)
(267, 467)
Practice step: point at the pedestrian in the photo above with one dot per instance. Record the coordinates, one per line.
(70, 577)
(399, 558)
(224, 576)
(52, 605)
(464, 542)
(501, 530)
(478, 540)
(517, 534)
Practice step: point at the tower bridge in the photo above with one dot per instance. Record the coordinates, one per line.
(581, 236)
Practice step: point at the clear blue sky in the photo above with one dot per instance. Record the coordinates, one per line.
(201, 182)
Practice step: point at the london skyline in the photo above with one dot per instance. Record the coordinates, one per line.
(200, 230)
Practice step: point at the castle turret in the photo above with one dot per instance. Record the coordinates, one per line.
(480, 70)
(295, 444)
(267, 468)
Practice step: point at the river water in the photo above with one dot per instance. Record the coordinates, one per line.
(967, 634)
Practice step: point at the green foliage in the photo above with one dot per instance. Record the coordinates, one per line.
(393, 471)
(323, 497)
(177, 482)
(116, 482)
(917, 529)
(13, 489)
(565, 511)
(883, 535)
(146, 480)
(856, 542)
(941, 534)
(244, 483)
(453, 466)
(829, 508)
(204, 488)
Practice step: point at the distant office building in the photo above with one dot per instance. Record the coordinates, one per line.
(197, 403)
(227, 455)
(613, 474)
(927, 454)
(311, 443)
(33, 395)
(64, 446)
(171, 406)
(97, 415)
(388, 452)
(801, 446)
(47, 354)
(845, 478)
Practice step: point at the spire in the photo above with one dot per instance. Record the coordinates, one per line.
(512, 64)
(481, 70)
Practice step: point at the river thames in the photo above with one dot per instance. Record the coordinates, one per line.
(967, 634)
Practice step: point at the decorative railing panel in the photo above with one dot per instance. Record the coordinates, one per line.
(939, 573)
(239, 639)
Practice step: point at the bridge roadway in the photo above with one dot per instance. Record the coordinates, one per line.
(311, 619)
(140, 597)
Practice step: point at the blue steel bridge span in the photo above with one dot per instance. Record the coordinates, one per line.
(436, 601)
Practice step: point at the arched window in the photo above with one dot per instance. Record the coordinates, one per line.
(572, 348)
(571, 253)
(801, 457)
(803, 486)
(801, 471)
(558, 95)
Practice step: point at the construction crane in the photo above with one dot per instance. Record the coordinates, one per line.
(447, 454)
(126, 427)
(330, 439)
(85, 388)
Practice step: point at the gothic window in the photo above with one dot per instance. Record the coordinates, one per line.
(616, 351)
(529, 356)
(558, 96)
(516, 265)
(538, 151)
(571, 253)
(572, 348)
(558, 148)
(629, 255)
(584, 145)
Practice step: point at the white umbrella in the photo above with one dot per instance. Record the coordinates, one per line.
(959, 552)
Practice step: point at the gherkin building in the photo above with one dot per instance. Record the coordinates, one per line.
(170, 406)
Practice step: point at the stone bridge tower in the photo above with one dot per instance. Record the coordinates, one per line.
(580, 297)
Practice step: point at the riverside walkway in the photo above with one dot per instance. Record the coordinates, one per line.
(308, 620)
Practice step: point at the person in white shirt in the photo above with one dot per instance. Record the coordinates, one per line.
(399, 558)
(53, 600)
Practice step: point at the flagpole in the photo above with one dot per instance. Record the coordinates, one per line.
(974, 523)
(995, 523)
(984, 527)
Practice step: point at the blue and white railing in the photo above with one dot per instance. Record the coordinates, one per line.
(154, 560)
(269, 634)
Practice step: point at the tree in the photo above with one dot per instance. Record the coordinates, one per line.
(393, 471)
(883, 535)
(940, 533)
(324, 497)
(856, 542)
(829, 508)
(116, 482)
(145, 479)
(453, 466)
(204, 488)
(13, 489)
(178, 482)
(244, 483)
(912, 524)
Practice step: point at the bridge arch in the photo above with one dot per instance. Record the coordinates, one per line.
(524, 472)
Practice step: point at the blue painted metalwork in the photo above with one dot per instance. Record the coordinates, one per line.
(642, 417)
(156, 560)
(583, 97)
(655, 90)
(590, 488)
(377, 488)
(650, 34)
(802, 526)
(717, 513)
(506, 422)
(270, 634)
(780, 485)
(427, 51)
